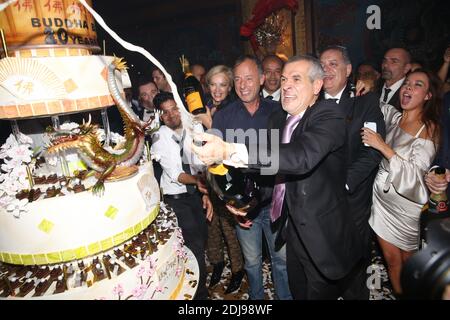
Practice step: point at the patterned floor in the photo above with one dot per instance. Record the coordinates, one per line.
(377, 278)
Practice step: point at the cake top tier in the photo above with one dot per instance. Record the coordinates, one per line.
(44, 25)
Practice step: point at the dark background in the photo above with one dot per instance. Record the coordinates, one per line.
(207, 31)
(422, 26)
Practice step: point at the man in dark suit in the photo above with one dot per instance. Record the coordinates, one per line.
(396, 64)
(147, 91)
(323, 243)
(362, 161)
(272, 66)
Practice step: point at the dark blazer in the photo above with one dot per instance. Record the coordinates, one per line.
(362, 162)
(314, 164)
(395, 99)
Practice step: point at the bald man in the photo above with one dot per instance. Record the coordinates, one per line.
(396, 64)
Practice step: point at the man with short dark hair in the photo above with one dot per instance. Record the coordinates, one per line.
(181, 185)
(272, 65)
(368, 73)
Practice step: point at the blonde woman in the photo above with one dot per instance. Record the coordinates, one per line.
(221, 230)
(219, 81)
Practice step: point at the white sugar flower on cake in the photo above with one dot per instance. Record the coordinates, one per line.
(16, 156)
(17, 207)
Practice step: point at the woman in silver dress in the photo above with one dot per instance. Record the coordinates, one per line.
(399, 190)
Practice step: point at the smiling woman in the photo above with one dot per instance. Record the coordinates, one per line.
(399, 188)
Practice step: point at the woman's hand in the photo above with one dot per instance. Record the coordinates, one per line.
(372, 138)
(239, 216)
(375, 141)
(205, 118)
(208, 206)
(447, 55)
(363, 87)
(236, 211)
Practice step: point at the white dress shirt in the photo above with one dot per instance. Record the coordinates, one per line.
(166, 148)
(276, 95)
(146, 115)
(393, 88)
(337, 97)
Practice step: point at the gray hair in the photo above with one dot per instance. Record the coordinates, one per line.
(343, 50)
(243, 58)
(315, 71)
(220, 69)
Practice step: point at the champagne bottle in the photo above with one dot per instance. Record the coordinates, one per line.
(233, 186)
(435, 208)
(192, 89)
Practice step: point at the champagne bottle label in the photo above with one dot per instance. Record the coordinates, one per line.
(194, 101)
(438, 205)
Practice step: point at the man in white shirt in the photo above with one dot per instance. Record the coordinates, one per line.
(272, 66)
(396, 64)
(181, 185)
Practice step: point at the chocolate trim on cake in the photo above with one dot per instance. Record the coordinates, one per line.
(34, 194)
(39, 180)
(43, 272)
(23, 194)
(61, 285)
(26, 288)
(41, 288)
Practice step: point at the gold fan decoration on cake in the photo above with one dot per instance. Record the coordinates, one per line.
(28, 80)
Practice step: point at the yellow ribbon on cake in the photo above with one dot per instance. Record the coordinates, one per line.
(83, 251)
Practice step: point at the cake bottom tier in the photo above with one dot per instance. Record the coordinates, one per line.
(152, 265)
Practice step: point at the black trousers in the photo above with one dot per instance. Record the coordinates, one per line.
(192, 221)
(306, 282)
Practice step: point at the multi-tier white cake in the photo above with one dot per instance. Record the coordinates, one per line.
(125, 244)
